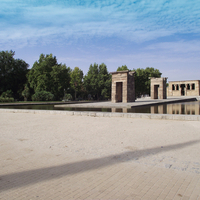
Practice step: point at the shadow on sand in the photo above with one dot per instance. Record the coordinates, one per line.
(20, 179)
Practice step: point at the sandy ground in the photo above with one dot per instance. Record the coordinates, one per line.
(32, 141)
(153, 142)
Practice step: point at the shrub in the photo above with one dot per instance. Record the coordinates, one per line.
(43, 96)
(6, 99)
(68, 97)
(8, 93)
(26, 93)
(7, 96)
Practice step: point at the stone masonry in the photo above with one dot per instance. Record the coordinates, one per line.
(158, 88)
(184, 88)
(123, 86)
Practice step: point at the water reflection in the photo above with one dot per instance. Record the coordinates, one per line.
(124, 110)
(188, 108)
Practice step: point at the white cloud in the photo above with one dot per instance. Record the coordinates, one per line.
(136, 21)
(139, 31)
(181, 47)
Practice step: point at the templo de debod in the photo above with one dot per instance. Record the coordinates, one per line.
(184, 88)
(158, 88)
(123, 86)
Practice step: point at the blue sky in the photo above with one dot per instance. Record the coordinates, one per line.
(162, 34)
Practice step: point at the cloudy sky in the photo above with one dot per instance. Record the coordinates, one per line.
(164, 34)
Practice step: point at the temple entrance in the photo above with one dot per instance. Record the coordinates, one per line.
(156, 91)
(119, 91)
(182, 89)
(158, 88)
(123, 86)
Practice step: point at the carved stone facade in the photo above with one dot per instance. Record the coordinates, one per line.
(184, 88)
(123, 86)
(158, 88)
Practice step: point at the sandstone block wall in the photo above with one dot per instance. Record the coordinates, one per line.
(123, 86)
(184, 88)
(158, 88)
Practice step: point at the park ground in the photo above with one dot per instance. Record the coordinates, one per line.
(47, 156)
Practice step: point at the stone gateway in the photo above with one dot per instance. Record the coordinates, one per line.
(158, 88)
(123, 86)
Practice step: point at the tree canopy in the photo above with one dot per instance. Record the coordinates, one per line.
(48, 79)
(142, 81)
(76, 80)
(47, 75)
(13, 73)
(98, 81)
(122, 68)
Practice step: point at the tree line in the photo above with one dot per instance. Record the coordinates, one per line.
(50, 80)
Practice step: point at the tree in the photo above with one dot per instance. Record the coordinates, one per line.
(122, 68)
(47, 75)
(60, 77)
(105, 80)
(7, 93)
(67, 97)
(142, 81)
(26, 92)
(98, 81)
(76, 80)
(42, 96)
(13, 73)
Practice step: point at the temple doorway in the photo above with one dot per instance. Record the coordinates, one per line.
(119, 91)
(182, 89)
(158, 88)
(156, 91)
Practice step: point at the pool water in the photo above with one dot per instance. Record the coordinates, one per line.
(187, 108)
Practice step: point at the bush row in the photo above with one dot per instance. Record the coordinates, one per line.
(6, 99)
(42, 96)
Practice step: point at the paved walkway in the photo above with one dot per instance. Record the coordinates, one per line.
(72, 157)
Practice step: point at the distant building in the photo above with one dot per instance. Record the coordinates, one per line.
(158, 88)
(123, 86)
(184, 88)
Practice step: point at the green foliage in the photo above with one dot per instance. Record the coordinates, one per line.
(47, 75)
(122, 68)
(76, 82)
(6, 99)
(142, 81)
(60, 77)
(49, 80)
(26, 93)
(13, 73)
(68, 97)
(98, 81)
(105, 80)
(6, 94)
(42, 96)
(91, 80)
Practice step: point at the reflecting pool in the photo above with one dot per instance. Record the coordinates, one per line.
(187, 108)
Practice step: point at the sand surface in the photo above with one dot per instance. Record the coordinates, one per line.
(173, 144)
(33, 141)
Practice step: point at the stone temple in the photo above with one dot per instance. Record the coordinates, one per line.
(184, 88)
(158, 88)
(123, 86)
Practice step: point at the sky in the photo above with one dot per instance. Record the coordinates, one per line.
(163, 34)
